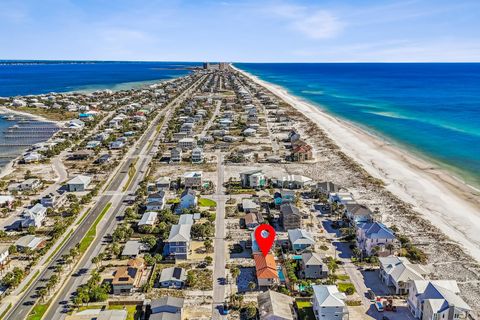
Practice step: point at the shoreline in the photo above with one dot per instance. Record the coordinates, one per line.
(32, 116)
(9, 167)
(440, 197)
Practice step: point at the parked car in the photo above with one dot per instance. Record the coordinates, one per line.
(379, 306)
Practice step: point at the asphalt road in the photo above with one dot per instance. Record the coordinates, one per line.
(219, 271)
(26, 303)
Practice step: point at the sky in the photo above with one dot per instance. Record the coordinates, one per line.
(241, 31)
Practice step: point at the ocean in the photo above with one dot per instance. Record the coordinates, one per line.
(38, 77)
(19, 133)
(431, 109)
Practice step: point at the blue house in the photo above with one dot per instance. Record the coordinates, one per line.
(300, 239)
(188, 200)
(178, 242)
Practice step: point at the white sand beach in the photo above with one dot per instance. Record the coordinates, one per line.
(29, 115)
(450, 205)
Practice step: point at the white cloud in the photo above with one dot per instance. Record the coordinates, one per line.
(313, 23)
(319, 25)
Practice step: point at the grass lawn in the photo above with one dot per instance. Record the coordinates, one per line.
(92, 232)
(132, 313)
(343, 277)
(305, 310)
(344, 286)
(51, 114)
(131, 174)
(38, 311)
(204, 202)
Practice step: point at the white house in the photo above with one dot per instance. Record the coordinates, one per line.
(34, 216)
(329, 303)
(436, 299)
(79, 183)
(375, 235)
(341, 197)
(4, 253)
(148, 218)
(253, 179)
(398, 271)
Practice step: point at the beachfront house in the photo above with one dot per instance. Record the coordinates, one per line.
(358, 213)
(291, 181)
(396, 272)
(302, 152)
(341, 197)
(329, 303)
(376, 238)
(436, 299)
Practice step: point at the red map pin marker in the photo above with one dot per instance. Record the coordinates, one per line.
(264, 235)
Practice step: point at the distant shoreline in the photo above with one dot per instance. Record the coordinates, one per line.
(9, 167)
(447, 202)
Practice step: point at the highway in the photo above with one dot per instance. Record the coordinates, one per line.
(112, 194)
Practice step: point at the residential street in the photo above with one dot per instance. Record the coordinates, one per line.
(219, 261)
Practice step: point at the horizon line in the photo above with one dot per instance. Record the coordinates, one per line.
(233, 62)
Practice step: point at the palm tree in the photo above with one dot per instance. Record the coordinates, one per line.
(42, 293)
(252, 285)
(390, 247)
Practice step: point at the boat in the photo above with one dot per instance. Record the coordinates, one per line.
(10, 118)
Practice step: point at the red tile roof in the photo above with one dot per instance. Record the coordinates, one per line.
(265, 266)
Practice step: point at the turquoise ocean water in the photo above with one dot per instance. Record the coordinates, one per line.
(432, 109)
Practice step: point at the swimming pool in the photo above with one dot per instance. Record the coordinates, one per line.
(281, 276)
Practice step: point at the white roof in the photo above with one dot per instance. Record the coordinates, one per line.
(328, 296)
(148, 218)
(193, 174)
(80, 179)
(5, 199)
(400, 269)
